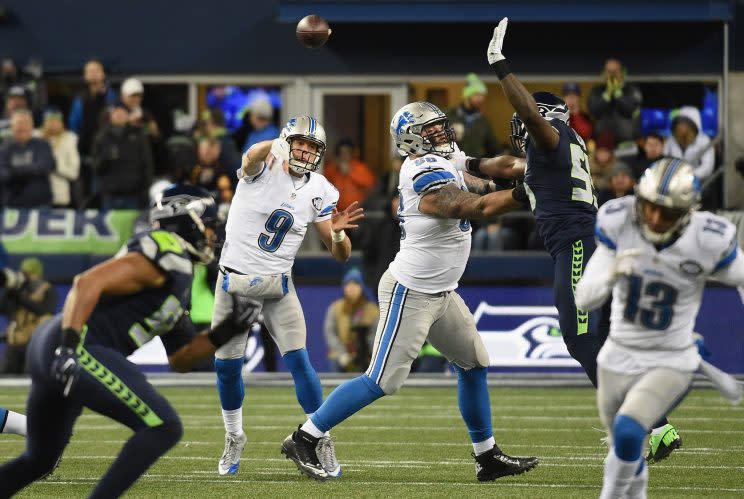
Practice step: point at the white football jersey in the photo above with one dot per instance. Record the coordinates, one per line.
(654, 310)
(269, 216)
(433, 250)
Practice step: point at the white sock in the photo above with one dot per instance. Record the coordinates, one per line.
(310, 428)
(639, 484)
(484, 446)
(658, 431)
(326, 434)
(617, 476)
(233, 420)
(16, 424)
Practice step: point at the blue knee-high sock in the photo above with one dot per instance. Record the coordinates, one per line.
(627, 438)
(230, 383)
(348, 398)
(306, 380)
(475, 403)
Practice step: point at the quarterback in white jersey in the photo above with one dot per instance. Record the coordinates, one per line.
(417, 298)
(655, 254)
(279, 194)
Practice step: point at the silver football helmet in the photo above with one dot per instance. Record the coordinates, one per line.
(671, 184)
(407, 127)
(308, 128)
(550, 107)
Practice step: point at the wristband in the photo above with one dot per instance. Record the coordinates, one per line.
(501, 69)
(339, 236)
(70, 338)
(473, 165)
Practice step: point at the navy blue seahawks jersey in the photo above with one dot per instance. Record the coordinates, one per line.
(125, 323)
(560, 190)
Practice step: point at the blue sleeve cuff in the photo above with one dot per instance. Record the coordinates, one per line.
(602, 238)
(726, 261)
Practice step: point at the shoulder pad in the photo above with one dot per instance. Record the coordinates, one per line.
(611, 218)
(716, 236)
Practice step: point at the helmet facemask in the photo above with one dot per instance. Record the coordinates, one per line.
(441, 143)
(309, 161)
(189, 217)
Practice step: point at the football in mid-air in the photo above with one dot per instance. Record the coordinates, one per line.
(313, 31)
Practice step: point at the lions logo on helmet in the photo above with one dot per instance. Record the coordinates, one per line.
(308, 128)
(187, 211)
(670, 185)
(407, 130)
(550, 107)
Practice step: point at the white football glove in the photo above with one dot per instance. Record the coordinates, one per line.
(494, 47)
(280, 149)
(624, 262)
(459, 159)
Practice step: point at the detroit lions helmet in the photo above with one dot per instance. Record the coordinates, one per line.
(187, 211)
(671, 184)
(550, 107)
(408, 125)
(308, 128)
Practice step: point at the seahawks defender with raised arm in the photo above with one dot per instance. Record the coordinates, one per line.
(279, 194)
(78, 358)
(655, 254)
(564, 203)
(417, 295)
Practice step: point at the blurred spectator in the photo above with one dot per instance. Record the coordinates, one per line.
(379, 237)
(122, 162)
(496, 237)
(578, 119)
(688, 142)
(66, 156)
(474, 133)
(28, 301)
(29, 79)
(8, 77)
(391, 178)
(353, 178)
(602, 160)
(652, 151)
(25, 165)
(208, 168)
(615, 104)
(621, 184)
(350, 325)
(262, 128)
(15, 101)
(214, 126)
(132, 92)
(85, 117)
(225, 194)
(181, 154)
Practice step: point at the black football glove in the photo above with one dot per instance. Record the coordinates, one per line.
(65, 368)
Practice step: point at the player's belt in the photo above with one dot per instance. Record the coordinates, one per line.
(225, 270)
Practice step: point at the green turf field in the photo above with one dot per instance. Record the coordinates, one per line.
(413, 444)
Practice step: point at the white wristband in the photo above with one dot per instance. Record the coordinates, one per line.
(339, 236)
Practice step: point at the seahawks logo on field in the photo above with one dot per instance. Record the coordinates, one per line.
(691, 267)
(317, 203)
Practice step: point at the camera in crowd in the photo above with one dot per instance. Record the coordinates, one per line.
(12, 279)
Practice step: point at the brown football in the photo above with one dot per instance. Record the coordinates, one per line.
(313, 31)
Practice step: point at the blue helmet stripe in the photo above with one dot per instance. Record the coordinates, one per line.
(312, 124)
(668, 174)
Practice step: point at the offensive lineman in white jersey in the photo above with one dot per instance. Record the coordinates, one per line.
(417, 294)
(278, 195)
(655, 254)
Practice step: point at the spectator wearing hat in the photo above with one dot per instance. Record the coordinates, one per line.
(351, 176)
(474, 133)
(28, 301)
(350, 325)
(66, 156)
(122, 162)
(260, 119)
(25, 165)
(15, 100)
(688, 142)
(578, 119)
(132, 92)
(621, 184)
(652, 151)
(615, 104)
(88, 108)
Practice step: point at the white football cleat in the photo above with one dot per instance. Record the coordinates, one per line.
(230, 461)
(327, 455)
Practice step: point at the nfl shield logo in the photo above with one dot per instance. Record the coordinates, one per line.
(317, 203)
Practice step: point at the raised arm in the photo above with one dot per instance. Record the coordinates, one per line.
(540, 131)
(452, 202)
(254, 158)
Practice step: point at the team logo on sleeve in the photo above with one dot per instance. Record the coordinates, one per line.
(317, 203)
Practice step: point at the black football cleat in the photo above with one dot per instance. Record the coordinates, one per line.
(300, 447)
(494, 464)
